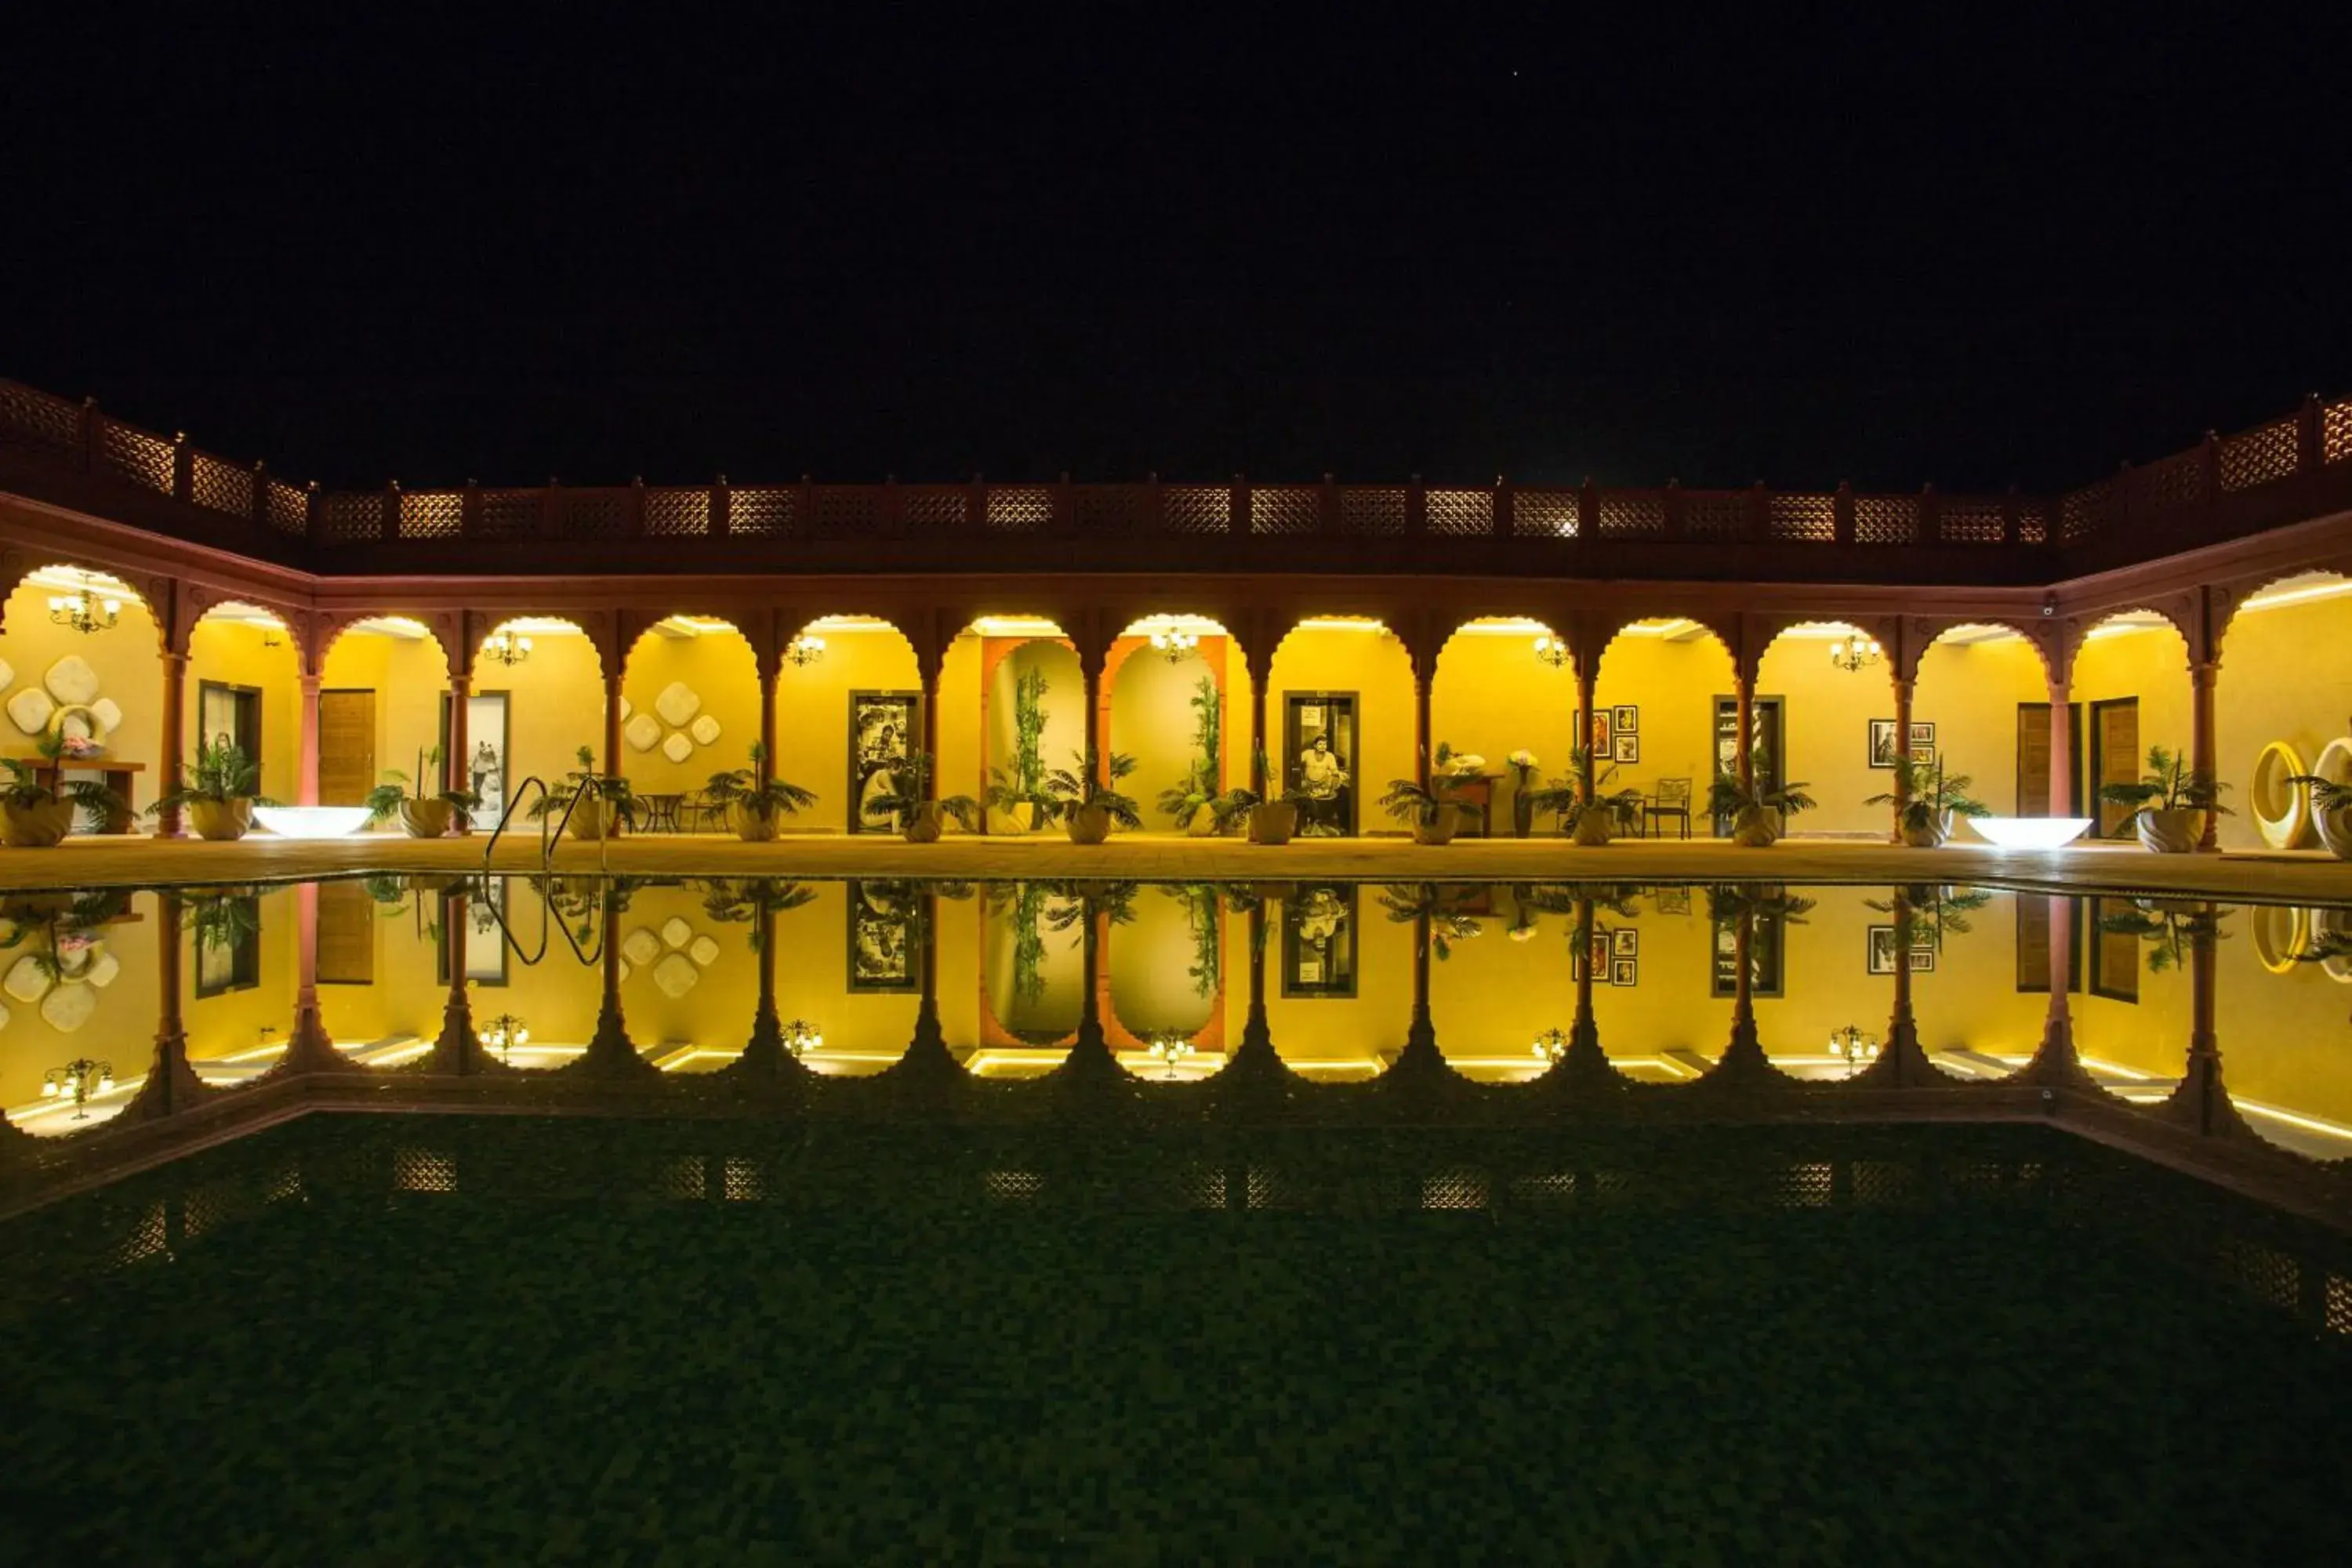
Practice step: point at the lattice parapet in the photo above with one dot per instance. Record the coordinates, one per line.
(1195, 508)
(1811, 519)
(1285, 509)
(1632, 514)
(844, 512)
(678, 514)
(1972, 523)
(2266, 1272)
(507, 514)
(344, 516)
(138, 458)
(1544, 514)
(2337, 1305)
(287, 508)
(762, 512)
(33, 418)
(2257, 457)
(217, 486)
(2083, 513)
(1106, 510)
(1459, 513)
(1721, 515)
(1020, 509)
(594, 514)
(1372, 511)
(2336, 432)
(1893, 519)
(2170, 484)
(2032, 523)
(926, 508)
(432, 514)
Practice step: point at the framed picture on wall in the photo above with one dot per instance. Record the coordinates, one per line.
(1628, 748)
(1319, 754)
(1923, 960)
(486, 941)
(884, 726)
(1318, 943)
(483, 769)
(1923, 739)
(1882, 747)
(1625, 942)
(1627, 718)
(1883, 958)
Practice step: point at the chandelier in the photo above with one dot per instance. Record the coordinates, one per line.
(801, 1037)
(507, 647)
(1852, 1048)
(1550, 1045)
(1169, 1048)
(83, 614)
(80, 1077)
(507, 1033)
(1552, 650)
(1851, 653)
(1174, 644)
(805, 650)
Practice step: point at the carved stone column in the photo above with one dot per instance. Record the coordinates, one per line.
(175, 740)
(306, 780)
(1902, 791)
(2203, 752)
(172, 1083)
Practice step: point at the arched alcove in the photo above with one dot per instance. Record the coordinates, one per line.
(2285, 679)
(79, 639)
(690, 689)
(1664, 685)
(1834, 688)
(384, 692)
(2131, 679)
(1984, 694)
(244, 684)
(1506, 684)
(1169, 682)
(1347, 683)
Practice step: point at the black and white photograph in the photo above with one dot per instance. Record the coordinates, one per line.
(1320, 743)
(1318, 943)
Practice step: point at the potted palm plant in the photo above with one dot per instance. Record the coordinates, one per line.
(429, 817)
(605, 801)
(218, 792)
(1087, 804)
(1191, 800)
(1433, 810)
(35, 815)
(1758, 814)
(907, 801)
(2168, 802)
(1930, 799)
(756, 797)
(1273, 819)
(1591, 823)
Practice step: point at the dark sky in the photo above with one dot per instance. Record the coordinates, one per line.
(1112, 241)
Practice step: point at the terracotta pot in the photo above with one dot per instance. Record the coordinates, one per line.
(221, 820)
(2335, 830)
(1592, 827)
(1756, 828)
(36, 826)
(2169, 832)
(922, 824)
(754, 826)
(594, 819)
(1440, 831)
(1089, 824)
(1928, 835)
(427, 818)
(1273, 822)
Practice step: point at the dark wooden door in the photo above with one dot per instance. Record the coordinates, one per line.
(2034, 760)
(347, 748)
(347, 923)
(2114, 758)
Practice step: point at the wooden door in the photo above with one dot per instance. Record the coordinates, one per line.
(347, 923)
(2114, 753)
(2034, 760)
(347, 748)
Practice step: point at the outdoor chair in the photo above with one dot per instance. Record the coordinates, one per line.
(1672, 800)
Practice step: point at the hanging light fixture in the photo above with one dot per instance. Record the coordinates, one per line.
(507, 1033)
(801, 1037)
(80, 1077)
(83, 612)
(1551, 1045)
(1849, 653)
(1852, 1048)
(1170, 1048)
(1174, 644)
(805, 649)
(507, 648)
(1552, 650)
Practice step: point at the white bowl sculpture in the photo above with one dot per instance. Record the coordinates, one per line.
(311, 821)
(2030, 832)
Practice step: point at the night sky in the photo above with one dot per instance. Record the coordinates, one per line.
(1113, 242)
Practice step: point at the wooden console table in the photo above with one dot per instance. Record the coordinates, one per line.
(113, 770)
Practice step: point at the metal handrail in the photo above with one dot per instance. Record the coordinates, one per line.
(508, 816)
(590, 785)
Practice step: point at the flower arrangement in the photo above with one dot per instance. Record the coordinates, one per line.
(1523, 766)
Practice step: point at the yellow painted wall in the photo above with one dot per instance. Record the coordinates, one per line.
(2151, 663)
(409, 678)
(130, 671)
(1495, 995)
(1667, 1007)
(958, 759)
(1825, 718)
(1152, 959)
(720, 669)
(1352, 1030)
(1064, 702)
(231, 653)
(1376, 668)
(233, 1021)
(555, 705)
(1152, 720)
(2287, 675)
(1056, 1008)
(1492, 697)
(958, 971)
(1675, 684)
(813, 714)
(1971, 692)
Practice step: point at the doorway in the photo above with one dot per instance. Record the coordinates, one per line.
(234, 711)
(1765, 729)
(2034, 760)
(2115, 758)
(1319, 757)
(347, 748)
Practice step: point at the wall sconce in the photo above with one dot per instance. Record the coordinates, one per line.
(1174, 643)
(506, 647)
(1170, 1048)
(802, 1036)
(805, 650)
(1853, 1047)
(82, 613)
(1552, 650)
(1550, 1045)
(507, 1033)
(80, 1077)
(1851, 653)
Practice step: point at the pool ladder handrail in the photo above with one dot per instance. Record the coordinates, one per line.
(590, 783)
(547, 915)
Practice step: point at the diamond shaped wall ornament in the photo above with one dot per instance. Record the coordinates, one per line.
(72, 680)
(703, 949)
(102, 969)
(107, 714)
(678, 703)
(641, 947)
(31, 708)
(675, 932)
(677, 748)
(704, 729)
(69, 1007)
(642, 732)
(7, 675)
(3, 1018)
(627, 709)
(675, 976)
(26, 982)
(627, 969)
